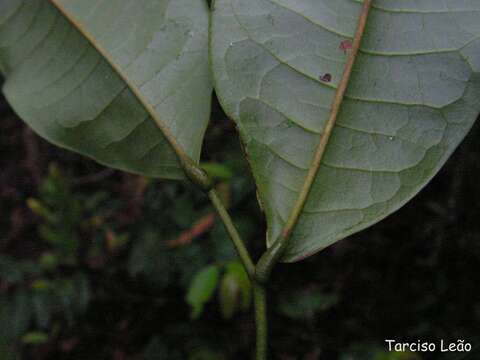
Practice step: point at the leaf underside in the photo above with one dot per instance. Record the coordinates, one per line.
(412, 98)
(70, 93)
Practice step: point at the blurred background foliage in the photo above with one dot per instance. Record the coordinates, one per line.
(99, 264)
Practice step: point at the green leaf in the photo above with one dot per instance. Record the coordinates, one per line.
(236, 270)
(202, 289)
(235, 291)
(49, 261)
(125, 82)
(35, 338)
(413, 96)
(228, 296)
(218, 171)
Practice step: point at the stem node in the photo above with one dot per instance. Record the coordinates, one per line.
(268, 260)
(196, 175)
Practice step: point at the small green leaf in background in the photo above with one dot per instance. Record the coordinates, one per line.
(61, 211)
(217, 171)
(39, 209)
(306, 304)
(49, 261)
(235, 292)
(41, 284)
(202, 289)
(228, 296)
(35, 338)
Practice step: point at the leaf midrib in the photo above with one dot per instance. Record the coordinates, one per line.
(297, 209)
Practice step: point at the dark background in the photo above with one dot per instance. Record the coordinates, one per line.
(96, 264)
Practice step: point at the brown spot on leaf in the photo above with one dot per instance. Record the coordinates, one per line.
(326, 77)
(345, 46)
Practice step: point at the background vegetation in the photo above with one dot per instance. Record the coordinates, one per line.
(98, 264)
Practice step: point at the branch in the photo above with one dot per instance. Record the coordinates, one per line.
(233, 233)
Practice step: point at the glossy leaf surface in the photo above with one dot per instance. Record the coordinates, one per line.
(83, 73)
(413, 96)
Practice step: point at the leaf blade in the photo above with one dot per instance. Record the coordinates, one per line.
(270, 61)
(128, 78)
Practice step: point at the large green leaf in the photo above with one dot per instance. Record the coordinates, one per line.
(84, 73)
(413, 96)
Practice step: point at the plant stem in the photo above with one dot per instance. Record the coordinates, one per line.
(268, 260)
(259, 291)
(233, 233)
(260, 302)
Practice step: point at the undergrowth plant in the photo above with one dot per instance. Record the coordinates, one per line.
(346, 109)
